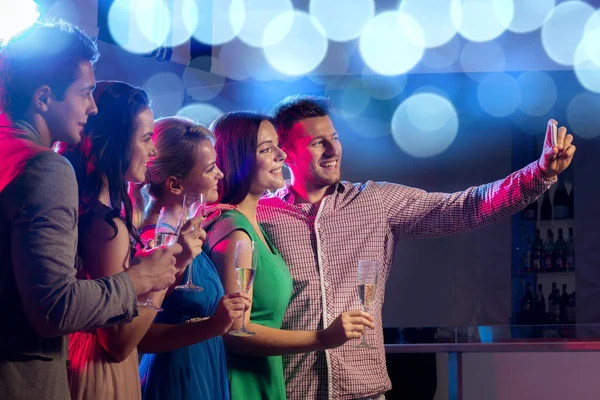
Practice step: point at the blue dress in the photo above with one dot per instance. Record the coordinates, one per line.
(198, 371)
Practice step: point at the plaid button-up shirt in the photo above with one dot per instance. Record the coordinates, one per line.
(322, 246)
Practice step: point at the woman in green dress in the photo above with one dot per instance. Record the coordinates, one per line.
(251, 160)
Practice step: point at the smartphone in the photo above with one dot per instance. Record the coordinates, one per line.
(554, 134)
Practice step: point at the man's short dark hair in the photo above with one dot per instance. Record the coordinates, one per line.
(296, 108)
(44, 54)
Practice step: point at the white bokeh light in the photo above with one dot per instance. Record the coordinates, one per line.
(392, 43)
(342, 21)
(259, 14)
(583, 115)
(334, 66)
(302, 49)
(166, 93)
(530, 15)
(434, 18)
(499, 94)
(482, 20)
(538, 92)
(16, 16)
(586, 70)
(563, 30)
(591, 39)
(219, 21)
(201, 113)
(139, 27)
(185, 21)
(424, 125)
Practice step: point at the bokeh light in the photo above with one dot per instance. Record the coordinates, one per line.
(530, 15)
(16, 16)
(442, 56)
(499, 94)
(201, 113)
(583, 115)
(538, 92)
(563, 30)
(302, 49)
(424, 125)
(219, 21)
(482, 57)
(482, 20)
(141, 26)
(185, 21)
(166, 92)
(586, 70)
(342, 20)
(259, 14)
(434, 18)
(392, 43)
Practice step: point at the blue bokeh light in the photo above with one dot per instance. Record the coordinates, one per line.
(341, 20)
(424, 125)
(499, 94)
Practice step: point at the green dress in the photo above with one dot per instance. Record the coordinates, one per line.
(254, 377)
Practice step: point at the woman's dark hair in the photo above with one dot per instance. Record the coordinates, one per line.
(236, 134)
(44, 54)
(105, 150)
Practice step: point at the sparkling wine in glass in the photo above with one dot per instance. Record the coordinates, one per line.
(245, 269)
(165, 234)
(192, 203)
(367, 287)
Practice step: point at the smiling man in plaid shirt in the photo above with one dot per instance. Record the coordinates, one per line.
(322, 226)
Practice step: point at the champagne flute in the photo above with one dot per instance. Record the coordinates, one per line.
(192, 202)
(245, 269)
(165, 234)
(367, 287)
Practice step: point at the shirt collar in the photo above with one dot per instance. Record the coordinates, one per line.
(287, 195)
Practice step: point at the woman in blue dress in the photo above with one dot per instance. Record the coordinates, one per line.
(184, 354)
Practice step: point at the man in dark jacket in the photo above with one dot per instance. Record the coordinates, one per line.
(46, 81)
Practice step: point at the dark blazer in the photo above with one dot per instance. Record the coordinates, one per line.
(41, 300)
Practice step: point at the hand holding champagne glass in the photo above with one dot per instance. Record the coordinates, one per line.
(367, 287)
(192, 203)
(165, 234)
(245, 268)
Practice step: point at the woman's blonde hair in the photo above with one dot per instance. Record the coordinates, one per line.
(176, 140)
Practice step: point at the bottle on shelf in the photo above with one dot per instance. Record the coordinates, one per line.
(570, 253)
(548, 252)
(546, 209)
(564, 303)
(540, 305)
(561, 201)
(527, 305)
(560, 252)
(537, 250)
(554, 304)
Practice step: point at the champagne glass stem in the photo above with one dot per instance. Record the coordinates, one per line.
(364, 336)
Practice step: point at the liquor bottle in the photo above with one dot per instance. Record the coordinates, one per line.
(527, 255)
(527, 305)
(564, 303)
(570, 253)
(571, 203)
(561, 201)
(530, 212)
(546, 209)
(554, 304)
(540, 305)
(548, 253)
(560, 252)
(536, 255)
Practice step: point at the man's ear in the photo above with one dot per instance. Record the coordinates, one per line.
(174, 185)
(42, 98)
